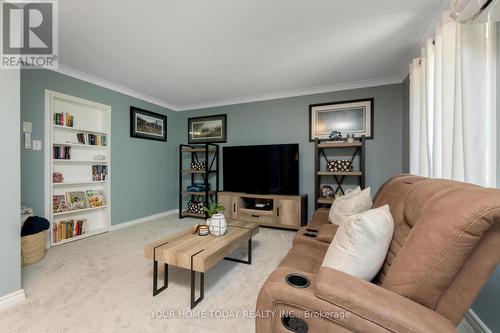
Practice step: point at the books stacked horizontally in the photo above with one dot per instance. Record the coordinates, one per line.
(63, 119)
(91, 139)
(99, 172)
(77, 200)
(62, 153)
(69, 228)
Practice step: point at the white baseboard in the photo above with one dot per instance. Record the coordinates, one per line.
(12, 299)
(143, 219)
(475, 323)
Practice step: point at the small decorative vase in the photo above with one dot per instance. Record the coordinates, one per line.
(217, 225)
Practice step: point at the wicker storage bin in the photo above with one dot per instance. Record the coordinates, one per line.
(32, 248)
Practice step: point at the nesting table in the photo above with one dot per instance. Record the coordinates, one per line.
(198, 253)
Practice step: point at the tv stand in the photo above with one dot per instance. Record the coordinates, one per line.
(280, 211)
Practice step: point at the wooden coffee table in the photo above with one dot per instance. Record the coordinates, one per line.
(198, 253)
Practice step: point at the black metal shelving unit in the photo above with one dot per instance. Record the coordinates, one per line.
(208, 153)
(319, 147)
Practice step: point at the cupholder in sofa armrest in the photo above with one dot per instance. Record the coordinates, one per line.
(294, 324)
(297, 280)
(312, 230)
(307, 234)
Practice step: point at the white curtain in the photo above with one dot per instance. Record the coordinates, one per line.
(453, 104)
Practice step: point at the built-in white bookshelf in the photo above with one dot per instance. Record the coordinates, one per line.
(86, 168)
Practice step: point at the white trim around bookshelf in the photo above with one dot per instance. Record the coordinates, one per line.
(78, 129)
(83, 182)
(79, 211)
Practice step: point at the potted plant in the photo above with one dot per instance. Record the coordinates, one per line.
(216, 221)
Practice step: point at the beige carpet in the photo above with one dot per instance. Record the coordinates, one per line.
(103, 284)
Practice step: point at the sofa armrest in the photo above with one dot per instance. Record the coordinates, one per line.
(327, 232)
(378, 305)
(319, 217)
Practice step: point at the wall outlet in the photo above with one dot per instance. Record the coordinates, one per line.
(27, 140)
(37, 145)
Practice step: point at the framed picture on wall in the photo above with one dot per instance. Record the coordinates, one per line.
(347, 117)
(211, 129)
(147, 125)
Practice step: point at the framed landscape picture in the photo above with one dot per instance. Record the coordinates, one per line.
(211, 129)
(147, 125)
(347, 117)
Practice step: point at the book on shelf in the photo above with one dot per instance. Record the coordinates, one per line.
(91, 139)
(76, 200)
(95, 198)
(66, 229)
(62, 153)
(59, 204)
(99, 172)
(63, 119)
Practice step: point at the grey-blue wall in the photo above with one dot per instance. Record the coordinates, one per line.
(287, 121)
(144, 172)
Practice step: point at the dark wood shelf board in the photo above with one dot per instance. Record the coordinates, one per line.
(189, 214)
(197, 193)
(339, 144)
(326, 200)
(196, 171)
(328, 173)
(197, 150)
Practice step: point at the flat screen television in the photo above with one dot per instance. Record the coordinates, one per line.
(263, 169)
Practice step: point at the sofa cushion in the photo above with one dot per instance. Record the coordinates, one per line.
(304, 258)
(361, 242)
(349, 204)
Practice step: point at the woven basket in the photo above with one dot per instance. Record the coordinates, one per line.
(32, 248)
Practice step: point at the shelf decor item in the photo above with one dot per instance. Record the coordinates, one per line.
(198, 166)
(217, 225)
(335, 136)
(147, 125)
(339, 166)
(57, 177)
(347, 117)
(216, 221)
(198, 187)
(207, 129)
(327, 191)
(195, 207)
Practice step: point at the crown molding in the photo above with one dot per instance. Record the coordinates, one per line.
(297, 92)
(69, 71)
(77, 74)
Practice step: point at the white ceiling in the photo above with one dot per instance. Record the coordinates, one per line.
(197, 53)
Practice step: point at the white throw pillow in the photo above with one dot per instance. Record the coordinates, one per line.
(361, 243)
(355, 202)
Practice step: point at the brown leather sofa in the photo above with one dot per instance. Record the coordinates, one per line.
(446, 244)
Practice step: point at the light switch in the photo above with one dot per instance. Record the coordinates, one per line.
(37, 145)
(27, 127)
